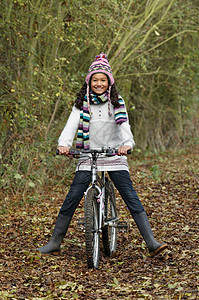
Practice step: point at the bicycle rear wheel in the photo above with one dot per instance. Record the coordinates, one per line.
(92, 234)
(109, 231)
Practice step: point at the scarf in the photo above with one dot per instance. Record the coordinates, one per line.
(83, 129)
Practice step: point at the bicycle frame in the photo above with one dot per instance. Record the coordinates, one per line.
(101, 191)
(100, 210)
(96, 178)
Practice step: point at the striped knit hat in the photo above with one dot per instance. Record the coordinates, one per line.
(100, 65)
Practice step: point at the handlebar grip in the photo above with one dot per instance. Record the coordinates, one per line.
(57, 152)
(129, 151)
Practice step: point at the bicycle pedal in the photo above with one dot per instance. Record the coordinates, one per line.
(123, 226)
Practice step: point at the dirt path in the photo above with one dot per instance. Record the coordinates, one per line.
(168, 187)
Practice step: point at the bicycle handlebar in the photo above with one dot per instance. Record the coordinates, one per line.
(108, 151)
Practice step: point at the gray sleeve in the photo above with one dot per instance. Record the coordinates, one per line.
(126, 135)
(125, 132)
(67, 136)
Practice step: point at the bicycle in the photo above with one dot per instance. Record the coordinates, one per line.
(100, 215)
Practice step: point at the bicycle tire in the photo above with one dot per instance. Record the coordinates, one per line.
(92, 234)
(109, 233)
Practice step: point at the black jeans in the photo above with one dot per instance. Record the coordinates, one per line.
(122, 182)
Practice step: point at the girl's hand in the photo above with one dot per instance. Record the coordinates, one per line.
(123, 150)
(63, 150)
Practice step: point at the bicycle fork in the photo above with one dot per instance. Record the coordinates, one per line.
(100, 196)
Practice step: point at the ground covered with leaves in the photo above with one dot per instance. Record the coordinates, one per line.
(168, 187)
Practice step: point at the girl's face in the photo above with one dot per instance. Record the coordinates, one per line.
(99, 83)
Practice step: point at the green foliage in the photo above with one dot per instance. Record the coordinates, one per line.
(46, 48)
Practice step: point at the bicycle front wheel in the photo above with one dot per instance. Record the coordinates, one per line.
(92, 234)
(109, 231)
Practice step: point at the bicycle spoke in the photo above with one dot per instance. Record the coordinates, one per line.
(109, 232)
(92, 233)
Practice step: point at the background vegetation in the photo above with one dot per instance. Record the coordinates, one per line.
(46, 48)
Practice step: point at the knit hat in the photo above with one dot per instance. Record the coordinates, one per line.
(100, 65)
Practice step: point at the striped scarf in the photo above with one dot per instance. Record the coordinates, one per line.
(83, 129)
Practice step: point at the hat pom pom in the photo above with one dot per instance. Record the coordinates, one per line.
(100, 56)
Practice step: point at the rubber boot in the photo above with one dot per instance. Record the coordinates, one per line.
(144, 227)
(59, 232)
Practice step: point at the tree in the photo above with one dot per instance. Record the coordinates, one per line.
(47, 46)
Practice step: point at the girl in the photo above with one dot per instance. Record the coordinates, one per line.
(100, 116)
